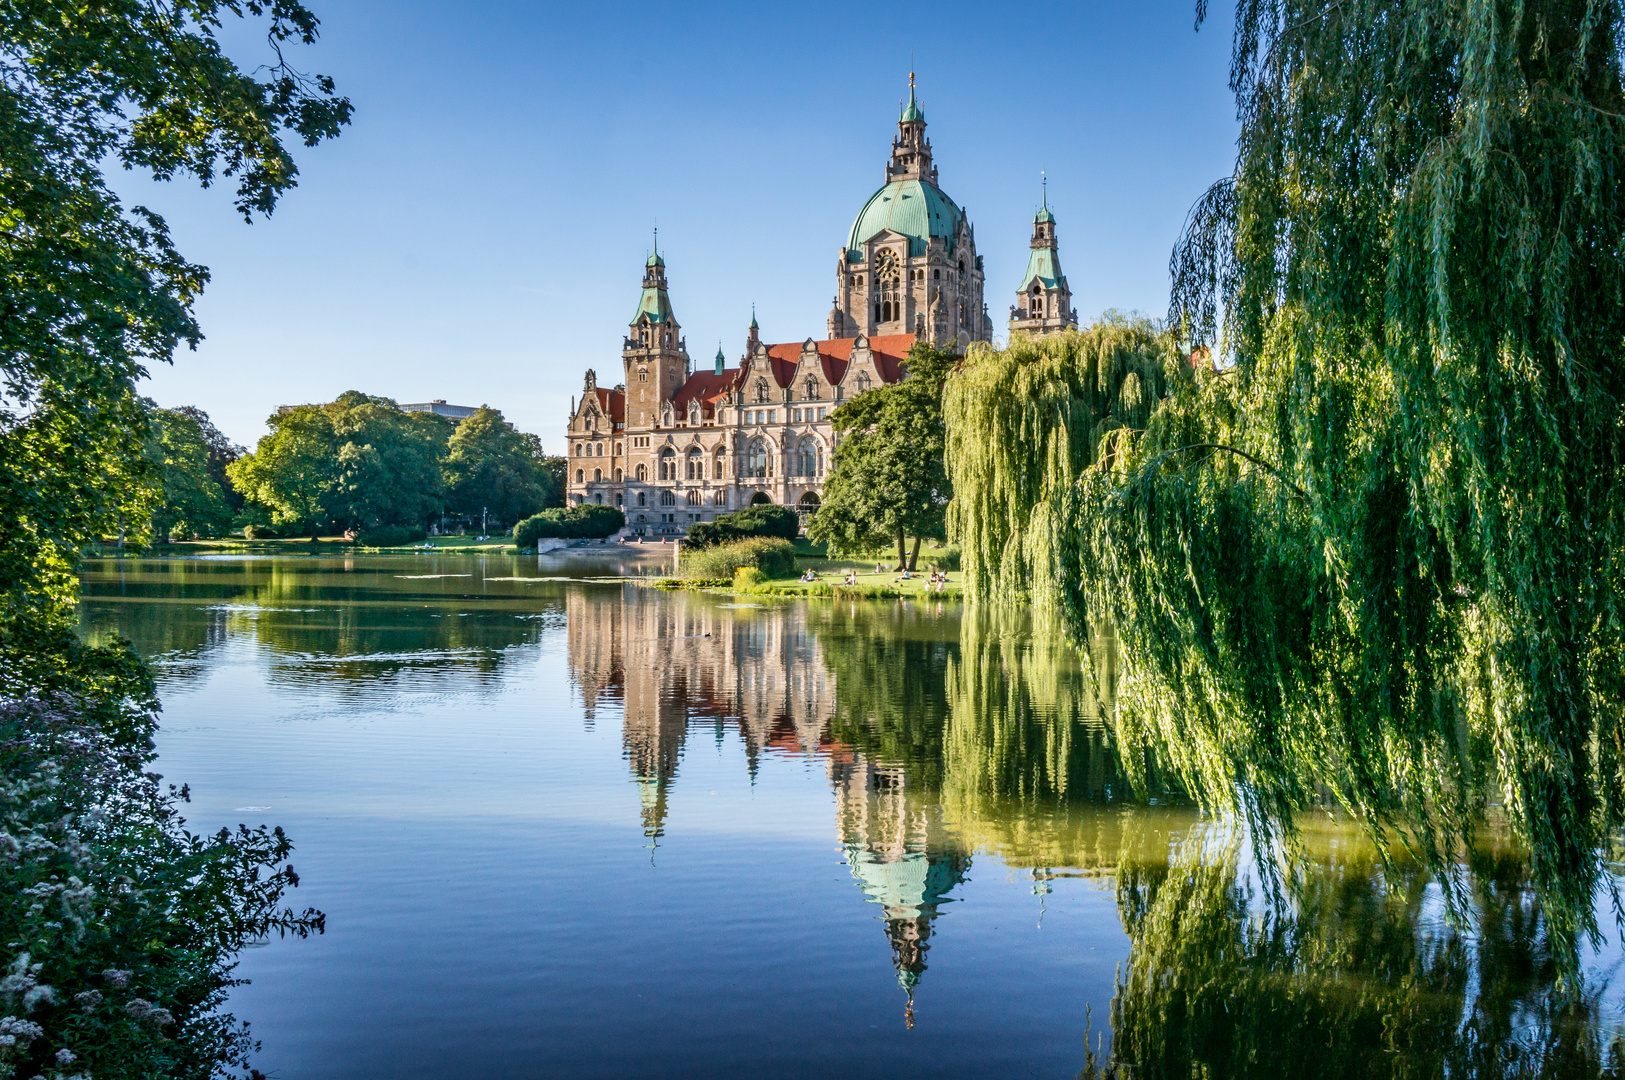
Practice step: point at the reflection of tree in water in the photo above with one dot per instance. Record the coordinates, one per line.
(342, 624)
(1358, 976)
(889, 664)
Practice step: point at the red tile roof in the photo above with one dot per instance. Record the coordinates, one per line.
(890, 353)
(613, 404)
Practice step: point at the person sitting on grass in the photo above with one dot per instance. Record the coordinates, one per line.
(810, 575)
(851, 578)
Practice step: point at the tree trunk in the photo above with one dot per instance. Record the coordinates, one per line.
(914, 555)
(900, 561)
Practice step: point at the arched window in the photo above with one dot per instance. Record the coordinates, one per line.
(863, 381)
(668, 499)
(617, 476)
(600, 452)
(808, 502)
(668, 464)
(811, 388)
(762, 392)
(597, 475)
(756, 463)
(599, 498)
(643, 475)
(694, 497)
(578, 476)
(693, 412)
(722, 452)
(580, 450)
(761, 498)
(810, 457)
(618, 450)
(696, 464)
(721, 497)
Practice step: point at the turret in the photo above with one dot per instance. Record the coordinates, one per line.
(911, 150)
(1043, 300)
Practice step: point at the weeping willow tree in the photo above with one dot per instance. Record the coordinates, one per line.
(1378, 554)
(1022, 423)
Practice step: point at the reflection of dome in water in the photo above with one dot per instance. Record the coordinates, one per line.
(908, 888)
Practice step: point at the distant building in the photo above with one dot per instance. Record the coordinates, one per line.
(439, 407)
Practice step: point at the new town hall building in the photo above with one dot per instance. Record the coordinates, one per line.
(673, 445)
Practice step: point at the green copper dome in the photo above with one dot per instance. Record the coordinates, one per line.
(916, 208)
(655, 260)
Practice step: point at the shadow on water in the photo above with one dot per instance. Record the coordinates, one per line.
(946, 739)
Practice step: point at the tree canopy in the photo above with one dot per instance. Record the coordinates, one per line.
(191, 499)
(887, 481)
(490, 466)
(120, 927)
(1377, 552)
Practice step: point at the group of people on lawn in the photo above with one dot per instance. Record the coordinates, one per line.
(936, 581)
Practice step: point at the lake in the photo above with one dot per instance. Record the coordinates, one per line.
(568, 826)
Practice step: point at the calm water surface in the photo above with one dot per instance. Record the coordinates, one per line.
(565, 827)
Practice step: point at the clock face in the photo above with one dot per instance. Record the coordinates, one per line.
(886, 264)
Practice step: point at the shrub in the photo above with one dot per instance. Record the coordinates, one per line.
(392, 536)
(772, 556)
(121, 928)
(946, 560)
(588, 521)
(761, 520)
(748, 577)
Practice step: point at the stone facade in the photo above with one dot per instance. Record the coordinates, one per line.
(673, 445)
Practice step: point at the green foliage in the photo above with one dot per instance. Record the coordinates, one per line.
(588, 521)
(359, 463)
(93, 292)
(90, 294)
(759, 520)
(747, 578)
(774, 557)
(222, 452)
(392, 536)
(491, 467)
(290, 473)
(550, 470)
(192, 500)
(121, 927)
(1379, 555)
(1023, 423)
(887, 480)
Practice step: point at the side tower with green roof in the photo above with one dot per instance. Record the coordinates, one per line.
(654, 353)
(1043, 300)
(909, 265)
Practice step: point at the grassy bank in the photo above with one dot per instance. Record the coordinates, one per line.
(870, 586)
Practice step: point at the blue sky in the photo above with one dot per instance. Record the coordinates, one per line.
(478, 233)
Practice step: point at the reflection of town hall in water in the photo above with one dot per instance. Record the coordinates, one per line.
(677, 666)
(672, 445)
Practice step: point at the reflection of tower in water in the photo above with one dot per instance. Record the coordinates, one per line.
(902, 856)
(674, 660)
